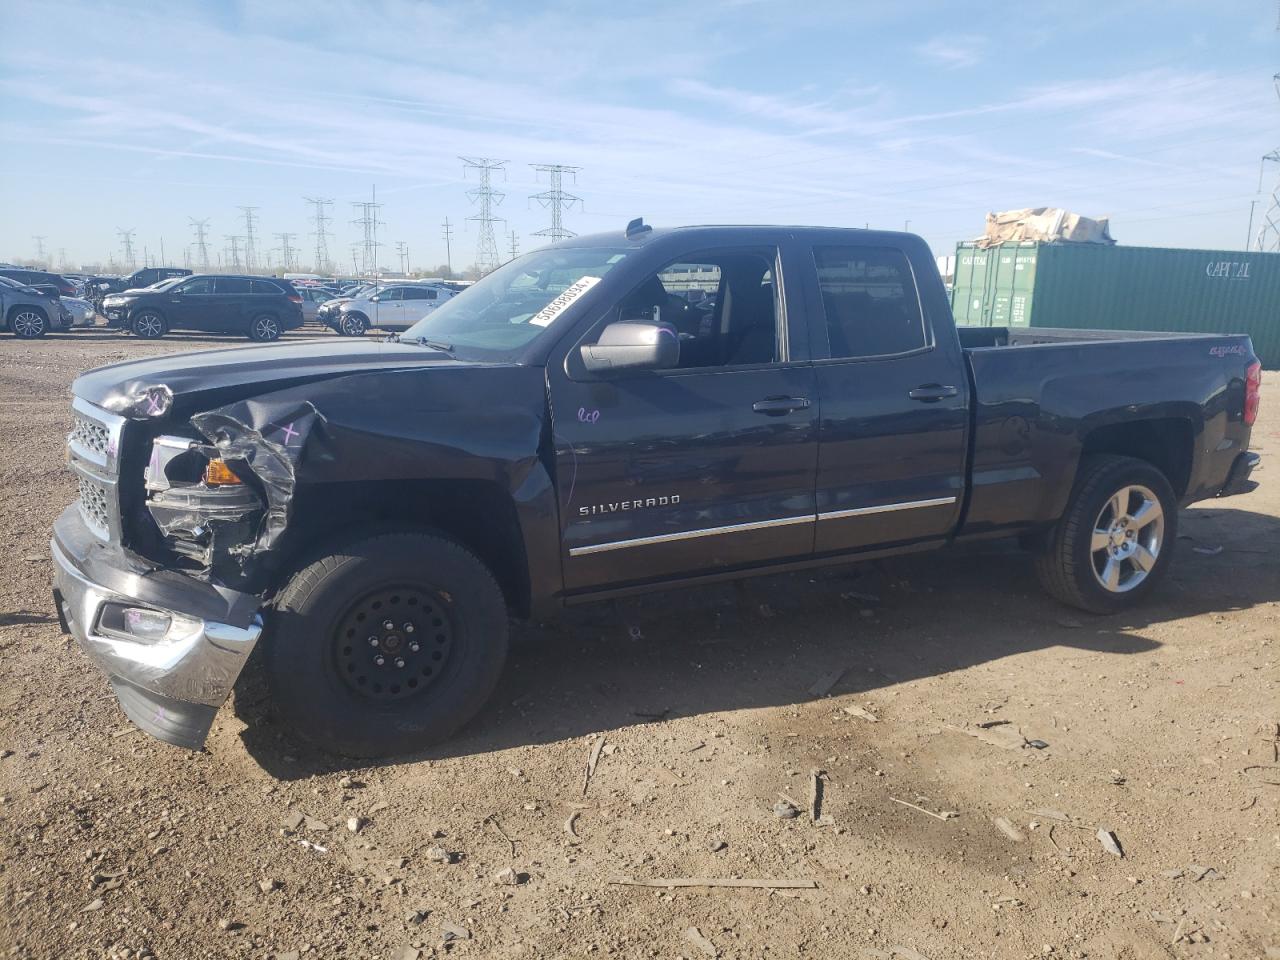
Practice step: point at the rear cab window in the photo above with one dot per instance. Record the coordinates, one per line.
(869, 301)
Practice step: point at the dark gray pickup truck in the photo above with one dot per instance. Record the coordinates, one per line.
(617, 413)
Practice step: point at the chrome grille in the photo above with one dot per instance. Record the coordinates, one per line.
(90, 435)
(93, 452)
(96, 505)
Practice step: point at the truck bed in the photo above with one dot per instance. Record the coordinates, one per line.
(977, 338)
(1038, 393)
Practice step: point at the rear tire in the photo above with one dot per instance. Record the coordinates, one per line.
(148, 325)
(442, 653)
(264, 328)
(28, 323)
(1115, 541)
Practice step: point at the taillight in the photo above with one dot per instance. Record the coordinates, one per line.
(295, 298)
(1252, 392)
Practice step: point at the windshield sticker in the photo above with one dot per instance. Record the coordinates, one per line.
(563, 302)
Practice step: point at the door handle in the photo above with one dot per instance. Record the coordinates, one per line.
(777, 406)
(932, 392)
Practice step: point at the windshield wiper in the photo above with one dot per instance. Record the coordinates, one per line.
(433, 344)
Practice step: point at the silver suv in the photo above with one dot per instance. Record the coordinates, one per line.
(392, 308)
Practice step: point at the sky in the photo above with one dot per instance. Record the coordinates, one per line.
(918, 115)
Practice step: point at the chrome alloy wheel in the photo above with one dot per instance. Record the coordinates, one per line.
(148, 325)
(1127, 538)
(28, 324)
(265, 328)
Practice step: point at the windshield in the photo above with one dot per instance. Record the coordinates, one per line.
(511, 306)
(165, 284)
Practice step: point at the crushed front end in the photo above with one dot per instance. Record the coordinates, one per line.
(155, 563)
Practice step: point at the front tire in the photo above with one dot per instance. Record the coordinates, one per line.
(148, 325)
(28, 323)
(386, 646)
(353, 325)
(264, 328)
(1114, 543)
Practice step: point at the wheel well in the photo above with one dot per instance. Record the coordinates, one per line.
(28, 306)
(355, 313)
(478, 514)
(1166, 444)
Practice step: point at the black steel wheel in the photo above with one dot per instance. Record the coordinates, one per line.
(394, 643)
(387, 645)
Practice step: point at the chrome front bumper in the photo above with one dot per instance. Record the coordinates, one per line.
(172, 687)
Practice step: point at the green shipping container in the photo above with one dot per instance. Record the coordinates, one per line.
(1095, 287)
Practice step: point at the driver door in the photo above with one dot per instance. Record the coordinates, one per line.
(191, 304)
(706, 467)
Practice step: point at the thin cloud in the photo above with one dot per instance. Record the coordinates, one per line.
(954, 52)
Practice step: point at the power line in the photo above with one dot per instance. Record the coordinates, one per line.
(368, 222)
(126, 242)
(1269, 232)
(448, 249)
(202, 242)
(286, 248)
(250, 239)
(555, 199)
(233, 252)
(321, 221)
(486, 198)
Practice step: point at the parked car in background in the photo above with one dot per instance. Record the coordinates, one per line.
(79, 311)
(260, 308)
(101, 287)
(29, 313)
(313, 298)
(392, 308)
(34, 278)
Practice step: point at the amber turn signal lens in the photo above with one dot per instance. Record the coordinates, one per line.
(218, 474)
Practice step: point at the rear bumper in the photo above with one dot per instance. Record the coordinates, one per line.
(172, 687)
(1238, 476)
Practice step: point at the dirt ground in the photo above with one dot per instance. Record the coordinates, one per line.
(1160, 726)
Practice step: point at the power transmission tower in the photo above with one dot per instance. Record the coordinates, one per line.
(250, 239)
(62, 258)
(486, 197)
(321, 221)
(555, 199)
(514, 241)
(1269, 232)
(286, 248)
(202, 243)
(40, 248)
(368, 222)
(126, 241)
(402, 251)
(355, 264)
(233, 254)
(448, 249)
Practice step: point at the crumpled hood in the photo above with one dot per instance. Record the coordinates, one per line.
(239, 371)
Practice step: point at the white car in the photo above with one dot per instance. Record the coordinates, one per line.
(80, 312)
(393, 308)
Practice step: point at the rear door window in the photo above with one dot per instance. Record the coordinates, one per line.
(264, 288)
(232, 286)
(869, 301)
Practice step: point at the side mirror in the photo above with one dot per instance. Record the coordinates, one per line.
(375, 299)
(632, 345)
